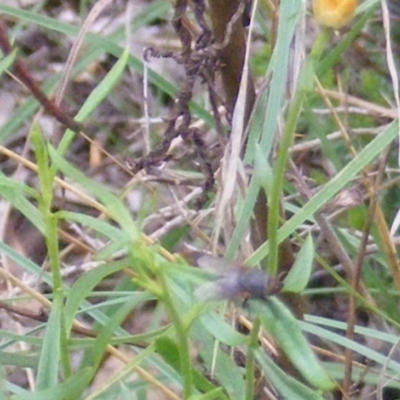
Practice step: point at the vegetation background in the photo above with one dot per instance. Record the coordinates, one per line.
(135, 136)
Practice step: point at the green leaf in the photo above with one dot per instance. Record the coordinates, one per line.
(287, 387)
(7, 62)
(101, 91)
(84, 286)
(42, 160)
(48, 367)
(285, 329)
(104, 88)
(103, 227)
(341, 179)
(168, 349)
(289, 14)
(25, 263)
(221, 330)
(11, 337)
(366, 351)
(114, 205)
(18, 359)
(15, 193)
(214, 394)
(225, 369)
(96, 352)
(263, 171)
(71, 388)
(299, 275)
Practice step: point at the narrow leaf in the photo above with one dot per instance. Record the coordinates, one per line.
(298, 277)
(285, 329)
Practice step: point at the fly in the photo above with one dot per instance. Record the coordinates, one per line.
(236, 282)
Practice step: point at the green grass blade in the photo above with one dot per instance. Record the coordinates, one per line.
(85, 284)
(114, 205)
(287, 386)
(369, 152)
(48, 367)
(285, 329)
(299, 274)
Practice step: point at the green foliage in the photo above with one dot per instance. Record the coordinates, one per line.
(128, 298)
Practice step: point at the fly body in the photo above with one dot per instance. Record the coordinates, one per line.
(254, 283)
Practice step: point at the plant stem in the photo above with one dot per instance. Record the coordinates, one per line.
(46, 178)
(181, 333)
(279, 174)
(250, 360)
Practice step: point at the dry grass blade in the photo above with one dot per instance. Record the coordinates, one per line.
(73, 55)
(232, 170)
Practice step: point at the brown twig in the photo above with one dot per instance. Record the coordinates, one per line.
(26, 78)
(355, 281)
(43, 316)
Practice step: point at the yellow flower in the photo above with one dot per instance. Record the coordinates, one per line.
(334, 13)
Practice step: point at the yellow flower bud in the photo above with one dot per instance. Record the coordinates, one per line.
(334, 13)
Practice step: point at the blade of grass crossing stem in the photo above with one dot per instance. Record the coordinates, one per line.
(370, 354)
(390, 338)
(101, 91)
(6, 62)
(289, 13)
(264, 122)
(104, 333)
(114, 205)
(29, 107)
(17, 359)
(101, 227)
(262, 178)
(16, 193)
(104, 88)
(274, 211)
(206, 329)
(84, 286)
(342, 178)
(28, 265)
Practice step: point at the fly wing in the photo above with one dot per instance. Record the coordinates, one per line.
(217, 265)
(208, 291)
(226, 287)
